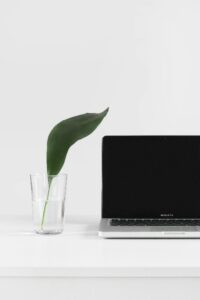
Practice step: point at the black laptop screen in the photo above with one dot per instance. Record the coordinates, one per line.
(151, 177)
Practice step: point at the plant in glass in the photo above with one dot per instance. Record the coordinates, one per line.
(48, 192)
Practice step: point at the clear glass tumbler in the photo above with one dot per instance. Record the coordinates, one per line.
(48, 202)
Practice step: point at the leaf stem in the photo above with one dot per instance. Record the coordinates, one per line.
(45, 205)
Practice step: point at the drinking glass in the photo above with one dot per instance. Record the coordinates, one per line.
(48, 202)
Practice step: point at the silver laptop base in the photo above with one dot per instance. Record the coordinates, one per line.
(108, 231)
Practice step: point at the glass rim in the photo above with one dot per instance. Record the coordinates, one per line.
(47, 175)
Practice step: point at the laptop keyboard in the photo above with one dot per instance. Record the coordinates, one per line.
(155, 222)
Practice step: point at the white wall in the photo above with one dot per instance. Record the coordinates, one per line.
(61, 58)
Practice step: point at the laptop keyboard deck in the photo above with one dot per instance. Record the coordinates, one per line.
(155, 222)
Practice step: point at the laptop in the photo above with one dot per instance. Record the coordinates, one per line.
(150, 187)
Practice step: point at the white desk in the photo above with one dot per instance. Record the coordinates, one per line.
(79, 265)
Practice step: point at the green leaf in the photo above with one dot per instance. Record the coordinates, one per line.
(65, 134)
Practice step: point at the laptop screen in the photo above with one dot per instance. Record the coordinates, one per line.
(151, 177)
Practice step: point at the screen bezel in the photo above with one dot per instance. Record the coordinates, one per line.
(110, 137)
